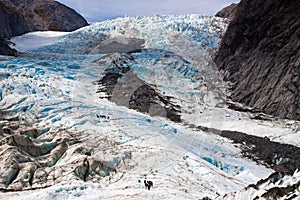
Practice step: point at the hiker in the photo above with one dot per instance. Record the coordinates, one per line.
(148, 184)
(102, 116)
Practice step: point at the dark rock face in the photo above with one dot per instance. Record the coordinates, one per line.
(47, 15)
(261, 54)
(279, 192)
(276, 186)
(5, 49)
(11, 23)
(228, 12)
(19, 17)
(283, 158)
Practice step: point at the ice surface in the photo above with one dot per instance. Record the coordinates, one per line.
(158, 31)
(36, 40)
(43, 100)
(53, 87)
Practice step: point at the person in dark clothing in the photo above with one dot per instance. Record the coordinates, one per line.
(102, 116)
(148, 184)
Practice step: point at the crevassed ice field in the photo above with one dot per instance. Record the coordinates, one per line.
(68, 135)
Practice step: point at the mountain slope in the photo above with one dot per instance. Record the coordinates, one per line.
(11, 23)
(41, 15)
(228, 11)
(19, 17)
(260, 53)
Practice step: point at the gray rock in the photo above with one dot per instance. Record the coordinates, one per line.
(228, 12)
(43, 15)
(12, 22)
(260, 52)
(5, 49)
(19, 17)
(122, 85)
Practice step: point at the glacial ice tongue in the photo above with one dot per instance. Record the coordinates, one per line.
(168, 32)
(56, 131)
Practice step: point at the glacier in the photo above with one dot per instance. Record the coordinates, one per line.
(66, 141)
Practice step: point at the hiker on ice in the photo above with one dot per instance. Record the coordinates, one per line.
(148, 184)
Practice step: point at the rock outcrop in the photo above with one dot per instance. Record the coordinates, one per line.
(228, 12)
(276, 186)
(44, 15)
(260, 55)
(19, 17)
(11, 23)
(121, 85)
(5, 49)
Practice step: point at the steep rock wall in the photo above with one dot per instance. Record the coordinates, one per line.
(47, 15)
(260, 53)
(19, 17)
(228, 11)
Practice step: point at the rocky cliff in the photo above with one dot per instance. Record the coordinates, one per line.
(18, 17)
(47, 15)
(260, 55)
(228, 11)
(11, 23)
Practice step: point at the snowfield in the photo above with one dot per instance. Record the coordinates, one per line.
(93, 148)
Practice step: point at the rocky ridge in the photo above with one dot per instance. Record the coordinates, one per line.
(228, 11)
(19, 17)
(121, 85)
(47, 15)
(260, 55)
